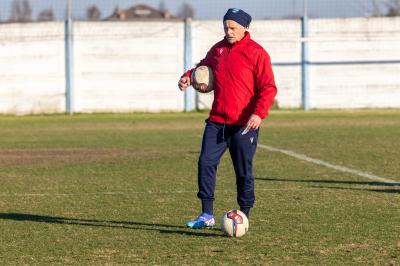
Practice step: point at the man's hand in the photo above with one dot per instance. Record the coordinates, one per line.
(254, 122)
(184, 83)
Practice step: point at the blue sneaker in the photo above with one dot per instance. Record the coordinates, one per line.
(203, 221)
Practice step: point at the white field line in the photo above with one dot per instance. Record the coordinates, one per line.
(303, 157)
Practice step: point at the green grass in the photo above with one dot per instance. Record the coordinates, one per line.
(117, 189)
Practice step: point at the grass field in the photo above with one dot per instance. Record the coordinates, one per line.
(118, 188)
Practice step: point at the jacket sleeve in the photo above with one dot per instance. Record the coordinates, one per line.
(206, 61)
(265, 85)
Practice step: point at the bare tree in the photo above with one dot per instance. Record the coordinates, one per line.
(119, 13)
(46, 15)
(376, 8)
(21, 11)
(162, 7)
(164, 11)
(93, 13)
(186, 11)
(390, 8)
(393, 8)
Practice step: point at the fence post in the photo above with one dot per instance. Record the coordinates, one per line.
(305, 82)
(69, 88)
(189, 93)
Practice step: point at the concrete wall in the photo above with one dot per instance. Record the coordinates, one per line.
(32, 68)
(370, 77)
(123, 67)
(368, 48)
(135, 66)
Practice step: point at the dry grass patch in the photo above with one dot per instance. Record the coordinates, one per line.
(43, 157)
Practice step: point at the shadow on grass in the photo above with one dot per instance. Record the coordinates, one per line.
(161, 228)
(396, 186)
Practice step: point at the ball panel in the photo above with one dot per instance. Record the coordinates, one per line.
(234, 223)
(203, 79)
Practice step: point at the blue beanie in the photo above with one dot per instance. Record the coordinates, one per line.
(239, 16)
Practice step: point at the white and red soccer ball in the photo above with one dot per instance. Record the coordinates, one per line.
(234, 223)
(202, 79)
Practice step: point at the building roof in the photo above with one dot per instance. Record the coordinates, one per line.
(139, 12)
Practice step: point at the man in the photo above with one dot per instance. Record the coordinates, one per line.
(244, 91)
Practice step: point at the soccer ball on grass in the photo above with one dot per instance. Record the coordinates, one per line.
(234, 223)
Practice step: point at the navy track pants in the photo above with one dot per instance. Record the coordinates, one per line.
(217, 139)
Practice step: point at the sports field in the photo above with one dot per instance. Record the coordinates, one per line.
(118, 188)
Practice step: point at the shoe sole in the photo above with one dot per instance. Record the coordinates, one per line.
(203, 227)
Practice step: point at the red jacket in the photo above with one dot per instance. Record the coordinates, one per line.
(243, 81)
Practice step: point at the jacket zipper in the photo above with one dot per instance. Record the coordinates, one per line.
(226, 79)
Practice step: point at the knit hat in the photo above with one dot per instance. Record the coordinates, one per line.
(238, 16)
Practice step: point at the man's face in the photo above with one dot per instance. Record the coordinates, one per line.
(233, 31)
